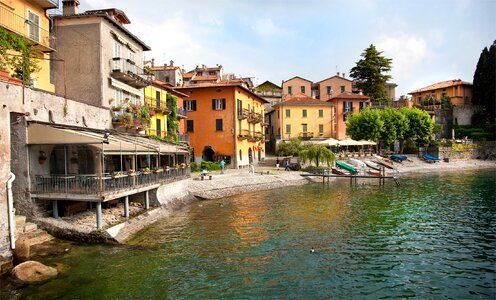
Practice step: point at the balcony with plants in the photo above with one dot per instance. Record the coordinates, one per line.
(243, 114)
(125, 70)
(157, 105)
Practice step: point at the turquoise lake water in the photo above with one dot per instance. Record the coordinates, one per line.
(433, 237)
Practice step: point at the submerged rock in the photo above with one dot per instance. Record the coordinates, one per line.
(33, 272)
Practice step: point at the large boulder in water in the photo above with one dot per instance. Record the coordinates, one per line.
(33, 272)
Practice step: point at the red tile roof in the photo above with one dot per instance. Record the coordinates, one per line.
(441, 85)
(301, 99)
(218, 85)
(297, 77)
(351, 96)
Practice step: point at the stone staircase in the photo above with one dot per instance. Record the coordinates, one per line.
(30, 233)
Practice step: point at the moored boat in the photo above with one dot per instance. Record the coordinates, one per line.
(430, 158)
(384, 163)
(346, 166)
(374, 173)
(398, 158)
(372, 165)
(339, 171)
(357, 163)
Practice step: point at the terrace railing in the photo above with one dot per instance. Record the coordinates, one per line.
(96, 185)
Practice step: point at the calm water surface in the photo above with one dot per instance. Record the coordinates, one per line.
(434, 237)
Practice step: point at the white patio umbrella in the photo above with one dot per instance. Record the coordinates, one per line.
(328, 142)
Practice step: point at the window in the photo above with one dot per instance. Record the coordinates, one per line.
(288, 113)
(240, 154)
(190, 126)
(342, 89)
(133, 98)
(190, 105)
(321, 128)
(362, 105)
(218, 125)
(288, 128)
(167, 79)
(118, 97)
(33, 26)
(321, 113)
(278, 114)
(157, 95)
(158, 127)
(240, 107)
(329, 90)
(290, 90)
(218, 104)
(302, 89)
(117, 54)
(304, 128)
(304, 113)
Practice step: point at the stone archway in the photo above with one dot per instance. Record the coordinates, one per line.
(208, 154)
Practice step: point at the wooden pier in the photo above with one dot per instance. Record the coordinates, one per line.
(353, 178)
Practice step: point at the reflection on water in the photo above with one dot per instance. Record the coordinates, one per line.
(433, 237)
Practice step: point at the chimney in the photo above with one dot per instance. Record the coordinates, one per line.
(337, 73)
(172, 63)
(153, 62)
(70, 7)
(344, 75)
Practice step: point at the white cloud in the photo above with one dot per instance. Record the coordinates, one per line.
(266, 28)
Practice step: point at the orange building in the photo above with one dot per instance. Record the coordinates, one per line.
(346, 103)
(225, 121)
(297, 85)
(332, 86)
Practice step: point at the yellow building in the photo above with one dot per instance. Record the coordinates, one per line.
(29, 20)
(303, 117)
(155, 98)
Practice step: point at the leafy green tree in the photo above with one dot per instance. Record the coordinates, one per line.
(395, 126)
(291, 148)
(484, 88)
(366, 125)
(317, 153)
(420, 124)
(369, 74)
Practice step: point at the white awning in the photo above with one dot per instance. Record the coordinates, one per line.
(328, 142)
(40, 134)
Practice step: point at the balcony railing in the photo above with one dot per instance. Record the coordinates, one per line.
(157, 105)
(305, 135)
(243, 114)
(184, 138)
(160, 133)
(182, 113)
(98, 186)
(25, 28)
(126, 71)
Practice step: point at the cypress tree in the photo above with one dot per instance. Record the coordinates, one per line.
(484, 88)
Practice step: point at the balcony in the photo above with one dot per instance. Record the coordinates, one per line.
(31, 32)
(47, 4)
(157, 105)
(107, 186)
(243, 114)
(255, 118)
(305, 135)
(160, 133)
(184, 138)
(181, 113)
(126, 71)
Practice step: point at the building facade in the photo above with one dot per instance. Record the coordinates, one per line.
(167, 73)
(332, 86)
(301, 116)
(98, 61)
(346, 103)
(29, 20)
(225, 121)
(297, 85)
(459, 92)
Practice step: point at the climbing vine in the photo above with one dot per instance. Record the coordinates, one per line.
(172, 123)
(18, 56)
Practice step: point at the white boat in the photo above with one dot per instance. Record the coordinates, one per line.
(357, 163)
(372, 165)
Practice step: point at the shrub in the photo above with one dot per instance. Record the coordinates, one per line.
(209, 165)
(194, 167)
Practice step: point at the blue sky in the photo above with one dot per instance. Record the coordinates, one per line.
(429, 41)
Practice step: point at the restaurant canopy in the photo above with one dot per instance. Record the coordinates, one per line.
(111, 143)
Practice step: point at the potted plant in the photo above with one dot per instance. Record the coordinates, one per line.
(157, 170)
(117, 108)
(131, 172)
(146, 170)
(116, 174)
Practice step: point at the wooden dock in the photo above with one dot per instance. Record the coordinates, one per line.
(353, 178)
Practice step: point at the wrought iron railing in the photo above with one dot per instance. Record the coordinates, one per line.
(93, 184)
(24, 27)
(156, 104)
(127, 71)
(181, 112)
